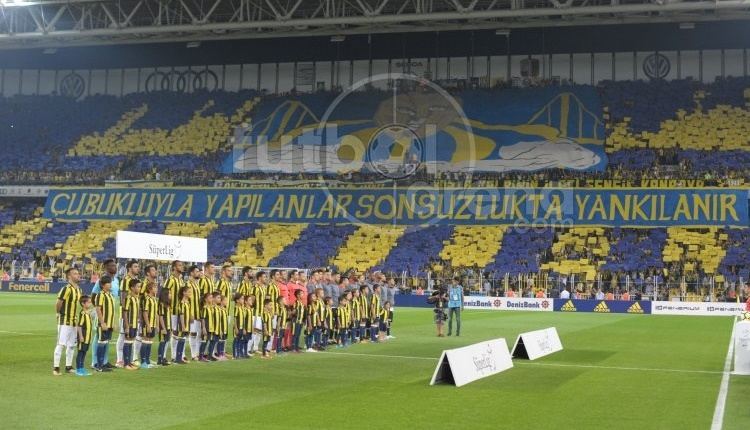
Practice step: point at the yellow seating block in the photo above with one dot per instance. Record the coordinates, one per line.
(268, 242)
(472, 245)
(368, 246)
(91, 239)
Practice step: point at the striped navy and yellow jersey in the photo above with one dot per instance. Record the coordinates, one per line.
(165, 316)
(245, 288)
(299, 315)
(272, 292)
(225, 288)
(249, 319)
(183, 316)
(131, 312)
(364, 307)
(281, 318)
(313, 315)
(174, 284)
(125, 287)
(267, 318)
(150, 311)
(84, 322)
(208, 285)
(239, 317)
(259, 291)
(106, 304)
(384, 314)
(328, 316)
(344, 316)
(356, 309)
(222, 323)
(208, 317)
(70, 295)
(195, 300)
(320, 310)
(375, 302)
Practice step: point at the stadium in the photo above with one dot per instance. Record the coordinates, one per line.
(262, 179)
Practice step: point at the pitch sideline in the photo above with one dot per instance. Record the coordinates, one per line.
(721, 399)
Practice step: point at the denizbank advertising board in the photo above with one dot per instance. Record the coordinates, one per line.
(408, 206)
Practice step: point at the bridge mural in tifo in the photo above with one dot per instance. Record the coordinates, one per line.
(395, 132)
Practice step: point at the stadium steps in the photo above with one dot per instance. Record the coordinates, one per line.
(224, 240)
(367, 247)
(520, 249)
(316, 246)
(109, 247)
(736, 241)
(414, 249)
(580, 239)
(190, 229)
(698, 248)
(83, 244)
(50, 237)
(200, 134)
(631, 250)
(187, 138)
(17, 233)
(472, 245)
(106, 143)
(724, 128)
(269, 241)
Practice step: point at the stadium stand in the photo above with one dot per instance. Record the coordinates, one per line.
(269, 242)
(108, 248)
(315, 247)
(689, 131)
(473, 245)
(224, 241)
(415, 249)
(367, 247)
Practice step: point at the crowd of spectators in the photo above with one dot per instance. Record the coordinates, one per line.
(633, 165)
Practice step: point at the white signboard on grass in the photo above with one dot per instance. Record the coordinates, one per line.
(535, 344)
(161, 247)
(463, 365)
(742, 348)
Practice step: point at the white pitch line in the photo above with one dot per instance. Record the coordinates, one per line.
(379, 355)
(721, 399)
(639, 369)
(525, 363)
(25, 334)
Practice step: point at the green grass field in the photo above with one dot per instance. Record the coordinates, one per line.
(616, 371)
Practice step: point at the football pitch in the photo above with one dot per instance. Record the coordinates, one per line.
(616, 371)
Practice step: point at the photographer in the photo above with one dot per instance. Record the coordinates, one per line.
(439, 298)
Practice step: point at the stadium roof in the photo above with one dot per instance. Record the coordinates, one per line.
(58, 23)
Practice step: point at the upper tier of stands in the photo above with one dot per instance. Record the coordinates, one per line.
(700, 129)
